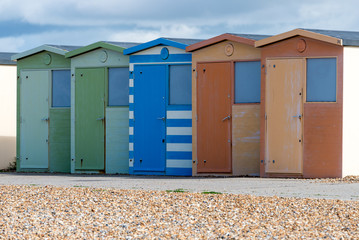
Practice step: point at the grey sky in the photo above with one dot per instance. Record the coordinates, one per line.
(27, 24)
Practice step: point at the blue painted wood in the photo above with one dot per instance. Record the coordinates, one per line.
(153, 43)
(179, 171)
(153, 58)
(149, 128)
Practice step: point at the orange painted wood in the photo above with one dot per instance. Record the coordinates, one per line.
(322, 129)
(213, 106)
(284, 105)
(245, 139)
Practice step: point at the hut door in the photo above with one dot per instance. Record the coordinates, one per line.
(214, 118)
(284, 115)
(34, 119)
(150, 118)
(90, 119)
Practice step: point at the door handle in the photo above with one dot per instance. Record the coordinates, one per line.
(298, 116)
(100, 119)
(228, 117)
(161, 118)
(45, 119)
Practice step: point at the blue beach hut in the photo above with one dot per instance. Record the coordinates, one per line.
(160, 104)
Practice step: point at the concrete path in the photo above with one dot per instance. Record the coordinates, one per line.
(254, 186)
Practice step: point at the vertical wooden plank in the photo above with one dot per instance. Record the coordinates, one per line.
(284, 110)
(59, 140)
(117, 140)
(246, 139)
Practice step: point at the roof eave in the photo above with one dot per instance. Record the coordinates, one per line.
(217, 39)
(154, 43)
(298, 32)
(37, 50)
(92, 47)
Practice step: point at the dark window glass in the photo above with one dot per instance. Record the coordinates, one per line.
(118, 86)
(321, 80)
(180, 85)
(247, 82)
(61, 88)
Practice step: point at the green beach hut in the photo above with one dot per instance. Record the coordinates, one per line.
(99, 108)
(43, 109)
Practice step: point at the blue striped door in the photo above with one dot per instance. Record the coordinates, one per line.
(149, 118)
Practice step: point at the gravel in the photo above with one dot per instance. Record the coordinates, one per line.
(40, 212)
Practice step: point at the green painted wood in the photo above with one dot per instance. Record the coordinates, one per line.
(36, 61)
(94, 46)
(59, 140)
(117, 140)
(89, 110)
(34, 88)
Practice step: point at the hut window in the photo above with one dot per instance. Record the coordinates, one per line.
(61, 88)
(321, 79)
(247, 82)
(118, 86)
(180, 85)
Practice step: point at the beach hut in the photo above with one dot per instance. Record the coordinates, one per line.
(99, 108)
(43, 109)
(226, 105)
(160, 108)
(7, 110)
(309, 99)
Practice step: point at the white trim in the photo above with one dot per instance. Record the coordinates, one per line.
(179, 131)
(130, 114)
(130, 98)
(130, 147)
(131, 82)
(178, 163)
(130, 130)
(179, 147)
(179, 114)
(130, 163)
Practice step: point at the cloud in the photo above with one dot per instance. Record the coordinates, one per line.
(84, 22)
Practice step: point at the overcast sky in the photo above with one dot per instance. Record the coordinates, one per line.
(27, 24)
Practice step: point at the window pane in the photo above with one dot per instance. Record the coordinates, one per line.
(247, 82)
(118, 86)
(180, 85)
(321, 80)
(61, 88)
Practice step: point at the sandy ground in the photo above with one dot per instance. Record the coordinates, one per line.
(44, 212)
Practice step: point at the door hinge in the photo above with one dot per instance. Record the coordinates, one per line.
(196, 117)
(265, 116)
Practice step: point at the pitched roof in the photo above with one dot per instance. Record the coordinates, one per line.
(59, 49)
(241, 38)
(181, 43)
(5, 58)
(341, 38)
(115, 46)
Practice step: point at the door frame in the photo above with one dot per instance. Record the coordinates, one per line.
(304, 80)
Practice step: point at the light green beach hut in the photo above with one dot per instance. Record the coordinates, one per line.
(43, 109)
(99, 108)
